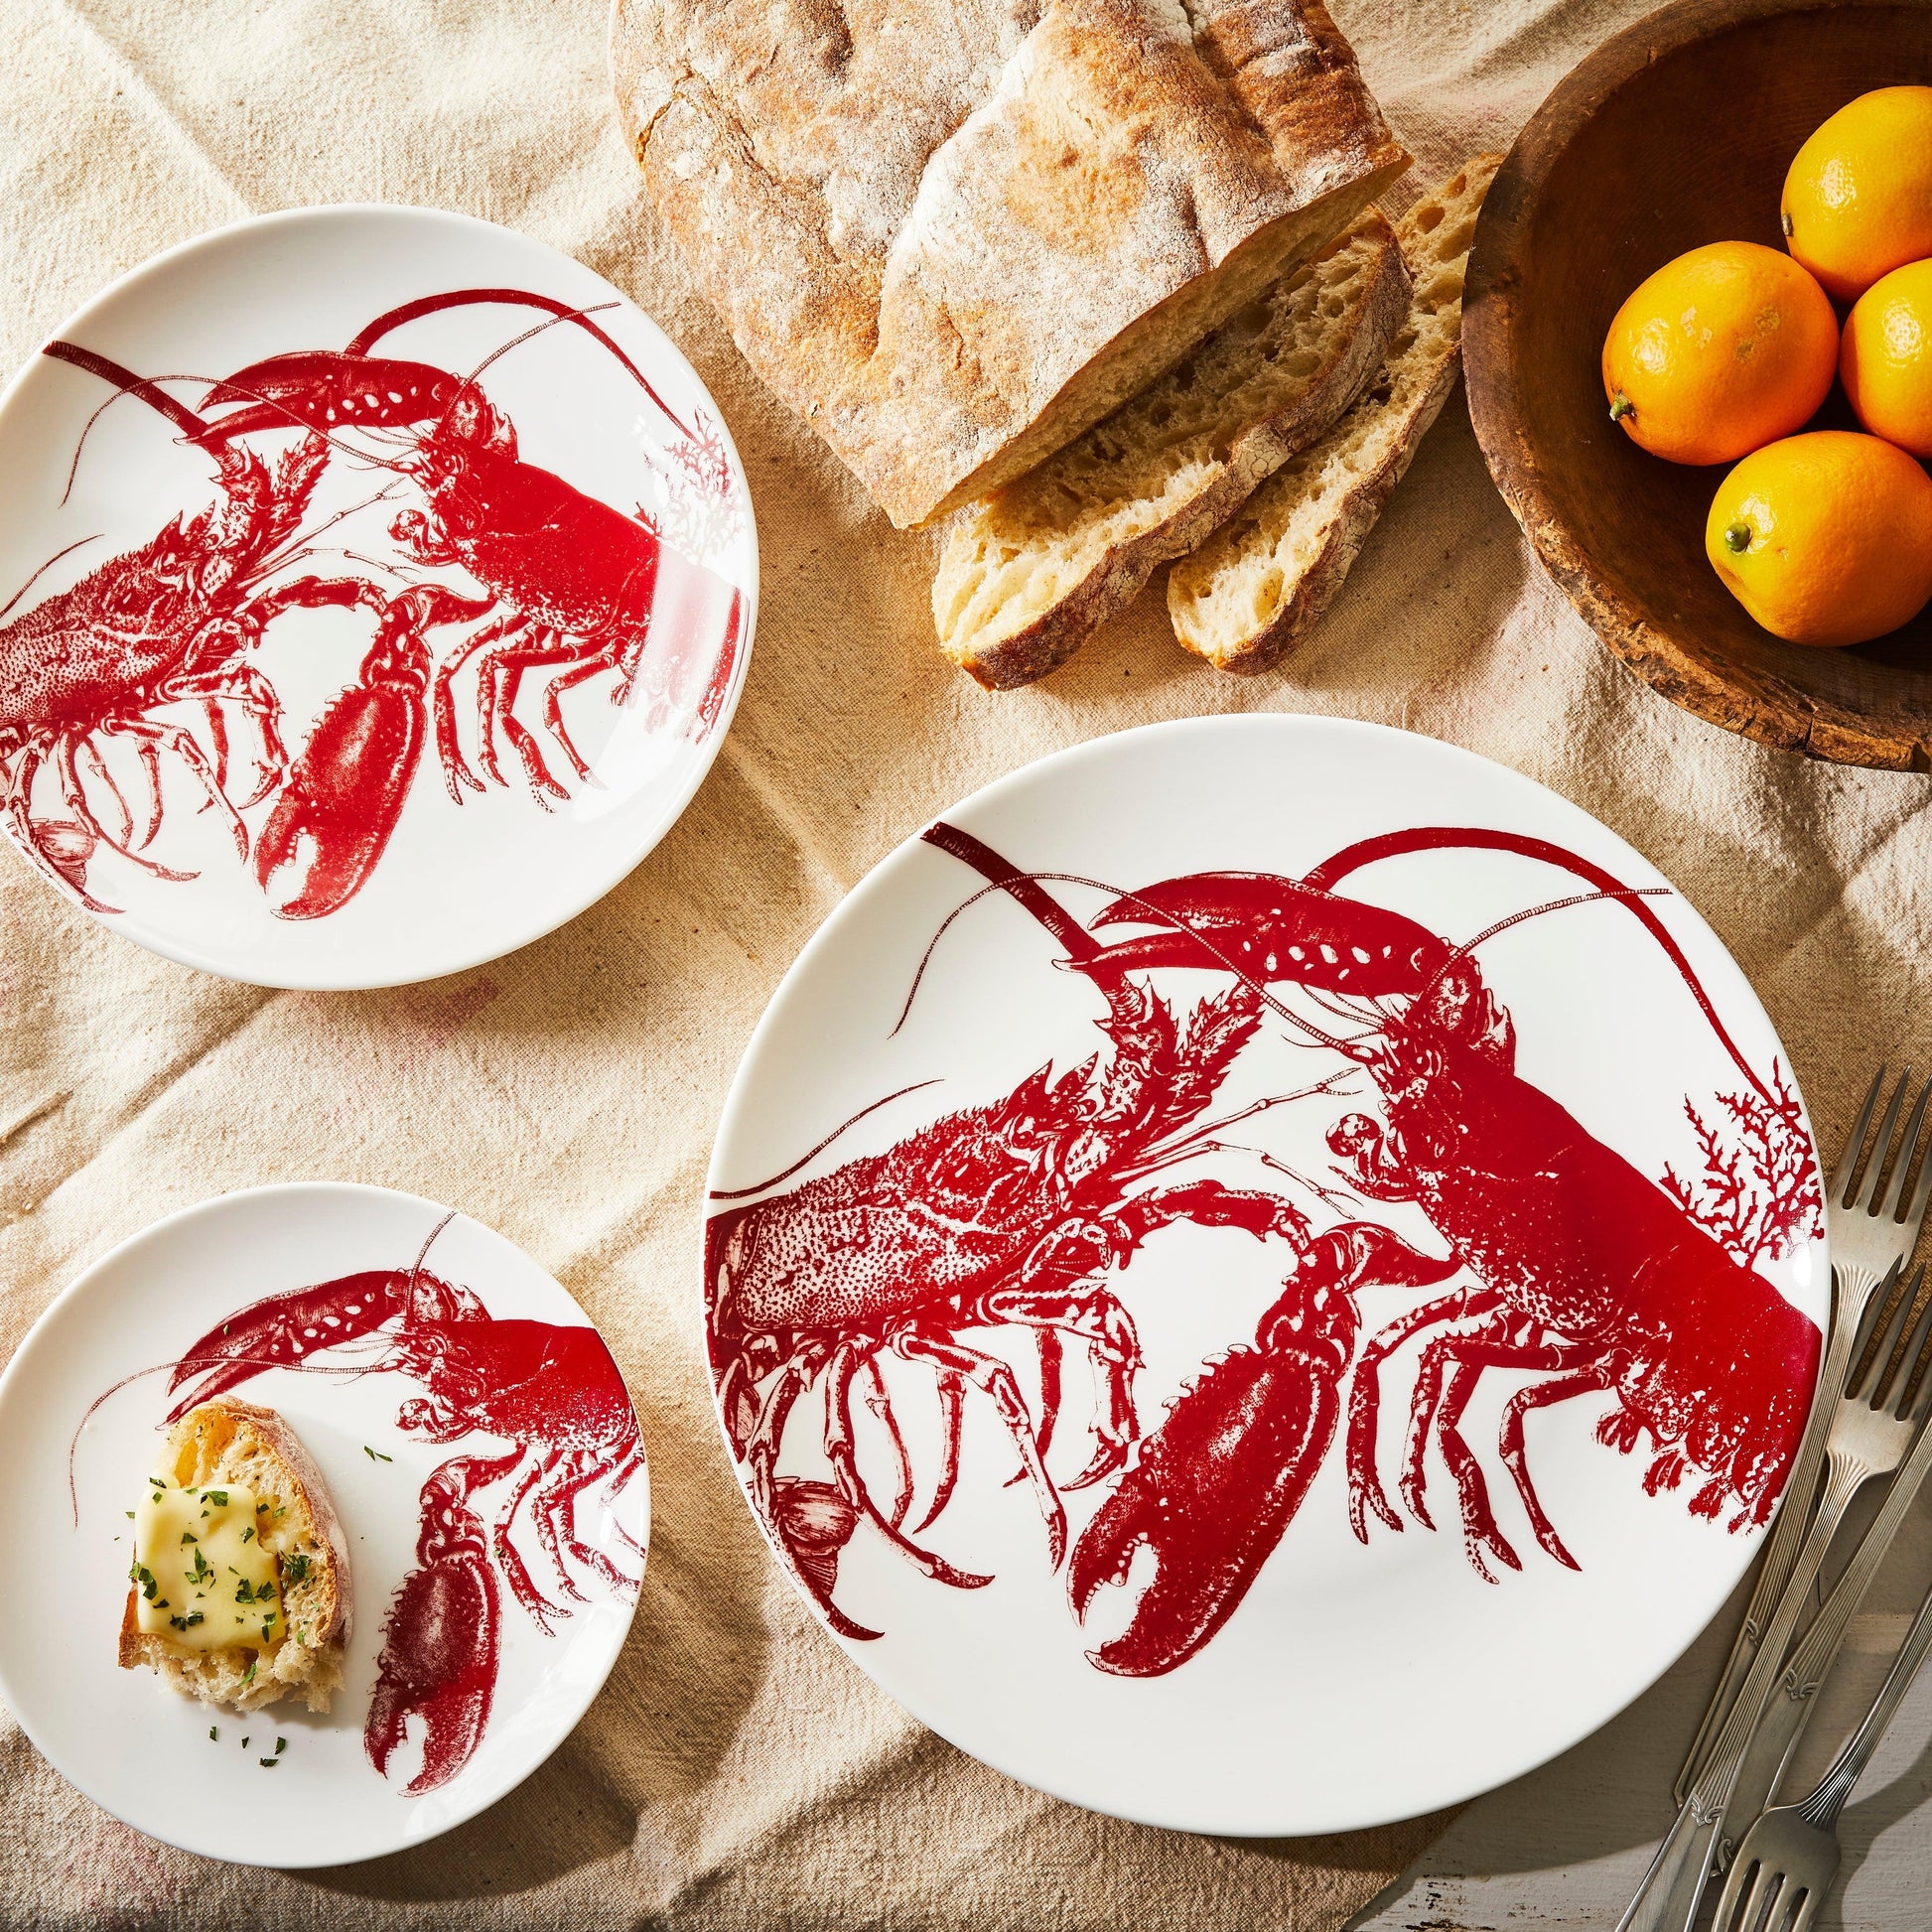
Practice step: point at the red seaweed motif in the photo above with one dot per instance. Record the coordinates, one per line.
(568, 586)
(1562, 1258)
(553, 1393)
(1758, 1192)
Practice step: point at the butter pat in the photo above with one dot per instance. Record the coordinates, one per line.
(202, 1579)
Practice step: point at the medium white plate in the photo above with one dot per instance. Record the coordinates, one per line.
(891, 1160)
(502, 485)
(515, 1367)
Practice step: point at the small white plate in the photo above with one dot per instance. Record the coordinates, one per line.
(487, 1356)
(945, 1142)
(525, 502)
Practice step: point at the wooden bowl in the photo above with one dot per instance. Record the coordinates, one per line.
(1674, 133)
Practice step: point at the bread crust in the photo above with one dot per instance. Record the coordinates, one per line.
(1436, 236)
(1230, 474)
(952, 237)
(1355, 516)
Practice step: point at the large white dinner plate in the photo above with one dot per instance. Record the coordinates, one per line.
(448, 1381)
(539, 513)
(895, 1188)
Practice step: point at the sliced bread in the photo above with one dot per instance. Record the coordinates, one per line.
(1029, 571)
(1259, 583)
(952, 234)
(230, 1444)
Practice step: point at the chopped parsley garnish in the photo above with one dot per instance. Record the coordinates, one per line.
(189, 1536)
(259, 1507)
(281, 1744)
(202, 1567)
(247, 1535)
(244, 1743)
(214, 1735)
(375, 1454)
(268, 1762)
(143, 1576)
(219, 1497)
(189, 1622)
(297, 1566)
(248, 1677)
(244, 1593)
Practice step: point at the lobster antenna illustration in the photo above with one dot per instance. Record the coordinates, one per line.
(1489, 933)
(126, 384)
(193, 1364)
(1082, 946)
(361, 342)
(44, 567)
(758, 1187)
(1392, 845)
(422, 1255)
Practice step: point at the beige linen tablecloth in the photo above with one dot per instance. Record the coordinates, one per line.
(738, 1770)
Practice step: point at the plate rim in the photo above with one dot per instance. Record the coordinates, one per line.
(460, 1813)
(1600, 1711)
(322, 981)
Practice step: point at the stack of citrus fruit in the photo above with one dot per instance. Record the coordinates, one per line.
(1726, 352)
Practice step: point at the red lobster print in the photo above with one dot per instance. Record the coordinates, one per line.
(553, 1393)
(577, 583)
(1573, 1263)
(1583, 1268)
(566, 581)
(173, 621)
(1007, 1214)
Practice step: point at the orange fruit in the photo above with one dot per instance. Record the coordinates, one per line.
(1826, 538)
(1858, 200)
(1722, 350)
(1886, 357)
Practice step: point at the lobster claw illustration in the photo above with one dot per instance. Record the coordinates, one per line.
(327, 390)
(1215, 1486)
(280, 1329)
(342, 801)
(440, 1645)
(1270, 927)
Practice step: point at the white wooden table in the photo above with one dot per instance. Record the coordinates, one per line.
(1566, 1845)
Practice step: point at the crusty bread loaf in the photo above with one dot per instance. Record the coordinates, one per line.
(1030, 571)
(952, 234)
(228, 1441)
(1259, 583)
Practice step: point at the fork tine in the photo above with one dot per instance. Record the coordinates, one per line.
(1873, 1347)
(1735, 1908)
(1914, 1216)
(1805, 1914)
(1762, 1898)
(1907, 1149)
(1848, 1162)
(1911, 1352)
(1917, 1357)
(1868, 1197)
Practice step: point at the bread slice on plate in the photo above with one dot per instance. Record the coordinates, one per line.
(1254, 589)
(1029, 571)
(235, 1480)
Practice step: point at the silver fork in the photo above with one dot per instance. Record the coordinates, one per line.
(1875, 1424)
(1774, 1743)
(1789, 1857)
(1869, 1235)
